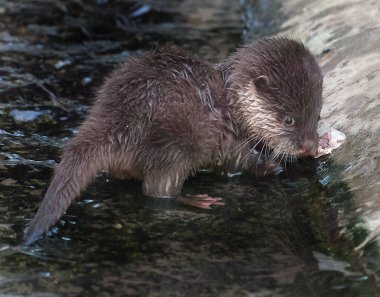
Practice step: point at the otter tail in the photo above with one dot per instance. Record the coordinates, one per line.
(79, 166)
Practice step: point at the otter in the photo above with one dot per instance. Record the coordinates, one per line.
(164, 114)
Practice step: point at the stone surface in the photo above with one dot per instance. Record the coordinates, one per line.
(345, 36)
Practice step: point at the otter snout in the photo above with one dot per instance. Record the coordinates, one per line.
(308, 148)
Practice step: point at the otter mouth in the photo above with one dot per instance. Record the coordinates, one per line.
(307, 153)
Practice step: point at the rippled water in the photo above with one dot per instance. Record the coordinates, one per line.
(276, 236)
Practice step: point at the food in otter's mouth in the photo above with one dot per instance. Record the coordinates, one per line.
(329, 142)
(164, 114)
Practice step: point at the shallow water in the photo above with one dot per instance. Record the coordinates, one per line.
(276, 236)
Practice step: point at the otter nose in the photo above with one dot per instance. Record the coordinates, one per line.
(308, 148)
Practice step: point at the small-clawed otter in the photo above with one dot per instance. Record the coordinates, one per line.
(164, 114)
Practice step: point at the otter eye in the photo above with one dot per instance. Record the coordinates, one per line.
(289, 121)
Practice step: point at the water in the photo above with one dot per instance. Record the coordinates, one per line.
(275, 236)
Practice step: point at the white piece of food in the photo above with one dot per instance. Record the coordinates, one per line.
(330, 141)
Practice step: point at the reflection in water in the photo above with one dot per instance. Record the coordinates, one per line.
(269, 239)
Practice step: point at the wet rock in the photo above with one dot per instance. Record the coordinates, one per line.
(351, 33)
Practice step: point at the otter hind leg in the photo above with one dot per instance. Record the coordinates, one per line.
(168, 184)
(164, 183)
(203, 201)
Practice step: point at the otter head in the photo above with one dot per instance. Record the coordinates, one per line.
(278, 91)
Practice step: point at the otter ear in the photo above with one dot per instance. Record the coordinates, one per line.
(261, 83)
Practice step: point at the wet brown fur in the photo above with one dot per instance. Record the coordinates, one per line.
(164, 114)
(285, 80)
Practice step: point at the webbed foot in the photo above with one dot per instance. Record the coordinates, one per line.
(202, 201)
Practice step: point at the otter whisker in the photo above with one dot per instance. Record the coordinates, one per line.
(242, 144)
(266, 154)
(250, 152)
(261, 152)
(281, 159)
(272, 157)
(246, 157)
(253, 148)
(275, 153)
